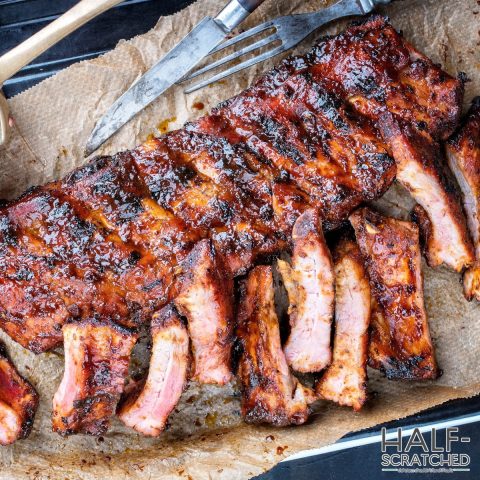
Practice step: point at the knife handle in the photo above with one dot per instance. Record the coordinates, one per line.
(250, 5)
(235, 12)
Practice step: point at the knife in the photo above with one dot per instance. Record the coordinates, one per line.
(209, 33)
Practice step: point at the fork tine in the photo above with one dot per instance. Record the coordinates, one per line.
(242, 36)
(237, 68)
(233, 56)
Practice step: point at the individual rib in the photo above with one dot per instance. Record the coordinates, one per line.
(270, 393)
(463, 153)
(438, 214)
(147, 409)
(18, 402)
(345, 380)
(206, 299)
(400, 343)
(414, 104)
(97, 356)
(310, 287)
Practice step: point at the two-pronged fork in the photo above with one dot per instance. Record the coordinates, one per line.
(287, 32)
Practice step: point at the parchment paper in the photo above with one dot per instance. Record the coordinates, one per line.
(207, 438)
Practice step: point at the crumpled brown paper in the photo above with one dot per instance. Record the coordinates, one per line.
(207, 438)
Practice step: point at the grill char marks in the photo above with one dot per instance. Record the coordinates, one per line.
(414, 104)
(81, 265)
(400, 343)
(90, 271)
(32, 310)
(96, 244)
(209, 184)
(96, 365)
(270, 393)
(377, 71)
(463, 153)
(310, 137)
(345, 379)
(147, 410)
(115, 199)
(18, 402)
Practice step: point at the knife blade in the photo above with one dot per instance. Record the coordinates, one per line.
(176, 64)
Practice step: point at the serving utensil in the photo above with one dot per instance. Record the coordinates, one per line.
(287, 32)
(170, 69)
(23, 54)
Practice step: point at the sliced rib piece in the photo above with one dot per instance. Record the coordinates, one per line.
(414, 104)
(270, 393)
(206, 299)
(438, 213)
(309, 283)
(463, 153)
(97, 356)
(400, 343)
(345, 379)
(18, 402)
(147, 410)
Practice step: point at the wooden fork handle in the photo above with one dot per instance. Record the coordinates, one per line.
(4, 127)
(23, 54)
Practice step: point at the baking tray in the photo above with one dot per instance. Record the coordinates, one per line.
(356, 456)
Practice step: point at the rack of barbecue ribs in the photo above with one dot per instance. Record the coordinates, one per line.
(89, 259)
